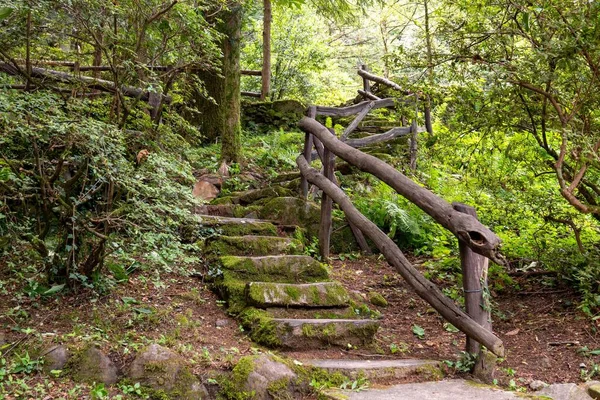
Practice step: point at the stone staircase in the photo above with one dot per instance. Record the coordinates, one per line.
(283, 298)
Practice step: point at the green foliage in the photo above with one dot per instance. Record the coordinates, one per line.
(86, 196)
(418, 331)
(405, 223)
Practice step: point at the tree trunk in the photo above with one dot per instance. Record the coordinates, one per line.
(266, 66)
(221, 118)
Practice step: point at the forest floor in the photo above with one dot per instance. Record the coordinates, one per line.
(546, 337)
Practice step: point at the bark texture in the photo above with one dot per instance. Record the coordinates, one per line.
(221, 118)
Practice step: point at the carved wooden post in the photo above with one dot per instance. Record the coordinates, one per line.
(474, 269)
(326, 204)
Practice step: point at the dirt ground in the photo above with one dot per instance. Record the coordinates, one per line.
(545, 336)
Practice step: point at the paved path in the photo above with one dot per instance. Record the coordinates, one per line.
(456, 389)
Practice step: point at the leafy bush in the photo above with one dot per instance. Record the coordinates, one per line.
(71, 188)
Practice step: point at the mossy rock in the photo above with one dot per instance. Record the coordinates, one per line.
(238, 227)
(263, 329)
(252, 246)
(233, 291)
(293, 211)
(165, 373)
(274, 294)
(92, 365)
(286, 268)
(260, 377)
(251, 196)
(302, 334)
(262, 117)
(377, 299)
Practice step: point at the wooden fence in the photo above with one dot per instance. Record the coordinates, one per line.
(477, 242)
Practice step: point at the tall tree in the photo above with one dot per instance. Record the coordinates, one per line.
(219, 103)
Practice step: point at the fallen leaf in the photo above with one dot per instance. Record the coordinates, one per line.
(513, 332)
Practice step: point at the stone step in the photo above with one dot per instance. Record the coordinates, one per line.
(230, 226)
(251, 196)
(279, 268)
(455, 389)
(381, 369)
(251, 245)
(320, 294)
(349, 312)
(302, 334)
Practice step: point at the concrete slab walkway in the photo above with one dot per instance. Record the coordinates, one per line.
(455, 389)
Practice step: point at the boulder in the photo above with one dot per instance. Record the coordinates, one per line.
(293, 211)
(594, 390)
(55, 358)
(166, 372)
(263, 117)
(537, 384)
(205, 190)
(262, 377)
(564, 391)
(92, 365)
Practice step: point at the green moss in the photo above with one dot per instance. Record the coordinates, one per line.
(279, 389)
(262, 328)
(223, 200)
(249, 228)
(294, 211)
(377, 299)
(231, 386)
(293, 292)
(275, 269)
(252, 245)
(430, 372)
(233, 291)
(365, 332)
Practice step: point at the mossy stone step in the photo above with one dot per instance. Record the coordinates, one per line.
(251, 245)
(239, 226)
(320, 294)
(226, 210)
(279, 268)
(381, 369)
(349, 312)
(251, 196)
(302, 334)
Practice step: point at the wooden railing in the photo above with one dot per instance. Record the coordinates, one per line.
(477, 242)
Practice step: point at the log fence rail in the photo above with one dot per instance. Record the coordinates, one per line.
(478, 244)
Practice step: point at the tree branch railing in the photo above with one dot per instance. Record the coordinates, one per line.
(477, 242)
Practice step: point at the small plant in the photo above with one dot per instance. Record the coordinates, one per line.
(586, 374)
(448, 327)
(135, 389)
(465, 362)
(418, 331)
(98, 392)
(25, 364)
(356, 385)
(398, 348)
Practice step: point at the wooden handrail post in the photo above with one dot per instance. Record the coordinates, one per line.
(413, 139)
(366, 83)
(475, 286)
(308, 145)
(326, 205)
